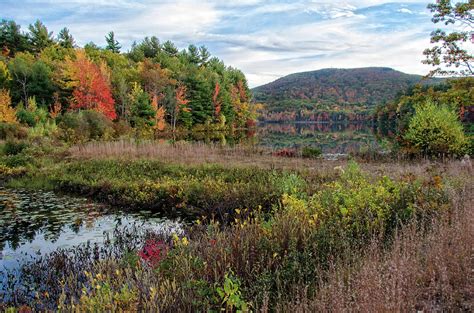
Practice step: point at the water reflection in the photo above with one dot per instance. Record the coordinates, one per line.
(331, 138)
(33, 223)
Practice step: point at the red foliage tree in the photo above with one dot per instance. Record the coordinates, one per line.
(91, 87)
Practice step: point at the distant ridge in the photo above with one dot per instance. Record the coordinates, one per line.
(332, 89)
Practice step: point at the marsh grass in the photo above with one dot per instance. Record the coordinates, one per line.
(422, 270)
(189, 154)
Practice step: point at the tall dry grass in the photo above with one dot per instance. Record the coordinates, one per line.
(427, 271)
(195, 153)
(189, 153)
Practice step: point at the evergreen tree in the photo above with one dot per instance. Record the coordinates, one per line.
(112, 44)
(39, 36)
(142, 112)
(170, 49)
(203, 55)
(150, 47)
(193, 55)
(12, 40)
(41, 86)
(65, 38)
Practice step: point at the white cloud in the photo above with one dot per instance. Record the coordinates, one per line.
(405, 10)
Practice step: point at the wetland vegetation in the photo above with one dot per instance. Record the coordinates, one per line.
(141, 181)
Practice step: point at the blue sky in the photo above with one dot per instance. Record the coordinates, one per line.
(265, 39)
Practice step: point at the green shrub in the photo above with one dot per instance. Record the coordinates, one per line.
(85, 125)
(14, 161)
(26, 117)
(14, 147)
(435, 130)
(311, 152)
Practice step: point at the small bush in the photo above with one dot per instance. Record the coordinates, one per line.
(311, 152)
(85, 125)
(14, 147)
(26, 117)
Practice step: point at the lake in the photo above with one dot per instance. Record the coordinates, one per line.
(332, 138)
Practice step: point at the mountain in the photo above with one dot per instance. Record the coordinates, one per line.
(333, 92)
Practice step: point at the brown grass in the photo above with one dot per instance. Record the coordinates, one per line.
(188, 153)
(433, 272)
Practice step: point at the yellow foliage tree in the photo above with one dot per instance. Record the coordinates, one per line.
(7, 113)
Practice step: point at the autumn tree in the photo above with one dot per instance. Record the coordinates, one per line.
(449, 46)
(4, 75)
(240, 103)
(7, 113)
(215, 100)
(154, 78)
(160, 122)
(90, 87)
(55, 108)
(181, 105)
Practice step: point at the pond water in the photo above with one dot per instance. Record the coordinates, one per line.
(35, 223)
(331, 138)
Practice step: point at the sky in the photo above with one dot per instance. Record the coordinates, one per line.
(265, 39)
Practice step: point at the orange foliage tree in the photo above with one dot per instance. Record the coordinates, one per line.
(181, 104)
(160, 123)
(7, 113)
(55, 108)
(91, 89)
(215, 101)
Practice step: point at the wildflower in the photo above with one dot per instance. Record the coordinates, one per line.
(185, 241)
(175, 239)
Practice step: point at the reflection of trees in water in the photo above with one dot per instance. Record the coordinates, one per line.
(331, 137)
(224, 137)
(299, 128)
(24, 215)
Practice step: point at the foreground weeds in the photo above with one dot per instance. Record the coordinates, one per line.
(358, 241)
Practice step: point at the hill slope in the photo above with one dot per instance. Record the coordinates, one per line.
(346, 91)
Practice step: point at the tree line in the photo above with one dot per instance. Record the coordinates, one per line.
(153, 85)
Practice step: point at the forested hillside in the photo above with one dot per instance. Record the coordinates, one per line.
(153, 86)
(332, 93)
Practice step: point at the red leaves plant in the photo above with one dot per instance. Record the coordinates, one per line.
(153, 252)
